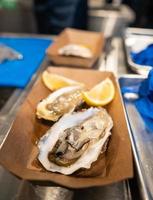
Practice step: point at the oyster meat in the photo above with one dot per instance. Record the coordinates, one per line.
(75, 141)
(59, 102)
(75, 50)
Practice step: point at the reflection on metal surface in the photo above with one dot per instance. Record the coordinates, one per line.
(53, 193)
(9, 185)
(5, 94)
(117, 191)
(135, 40)
(101, 19)
(110, 192)
(142, 143)
(131, 96)
(109, 61)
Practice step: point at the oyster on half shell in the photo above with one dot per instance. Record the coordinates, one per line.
(75, 50)
(58, 103)
(75, 141)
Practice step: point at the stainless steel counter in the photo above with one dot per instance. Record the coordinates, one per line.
(12, 188)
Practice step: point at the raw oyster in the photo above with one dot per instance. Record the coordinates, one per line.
(75, 141)
(59, 102)
(75, 50)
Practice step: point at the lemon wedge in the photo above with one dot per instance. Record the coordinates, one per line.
(54, 81)
(100, 95)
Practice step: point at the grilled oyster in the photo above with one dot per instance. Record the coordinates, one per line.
(75, 141)
(59, 102)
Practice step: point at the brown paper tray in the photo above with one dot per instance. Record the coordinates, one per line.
(93, 40)
(19, 149)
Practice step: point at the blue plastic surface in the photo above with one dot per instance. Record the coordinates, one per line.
(17, 73)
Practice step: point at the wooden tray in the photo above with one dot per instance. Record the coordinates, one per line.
(93, 40)
(19, 149)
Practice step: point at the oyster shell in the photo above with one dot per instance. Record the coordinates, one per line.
(75, 141)
(59, 102)
(75, 50)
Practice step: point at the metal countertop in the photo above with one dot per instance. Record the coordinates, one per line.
(13, 188)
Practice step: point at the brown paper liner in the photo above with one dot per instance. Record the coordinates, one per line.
(19, 149)
(74, 36)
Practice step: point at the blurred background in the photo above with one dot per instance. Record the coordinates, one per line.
(51, 16)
